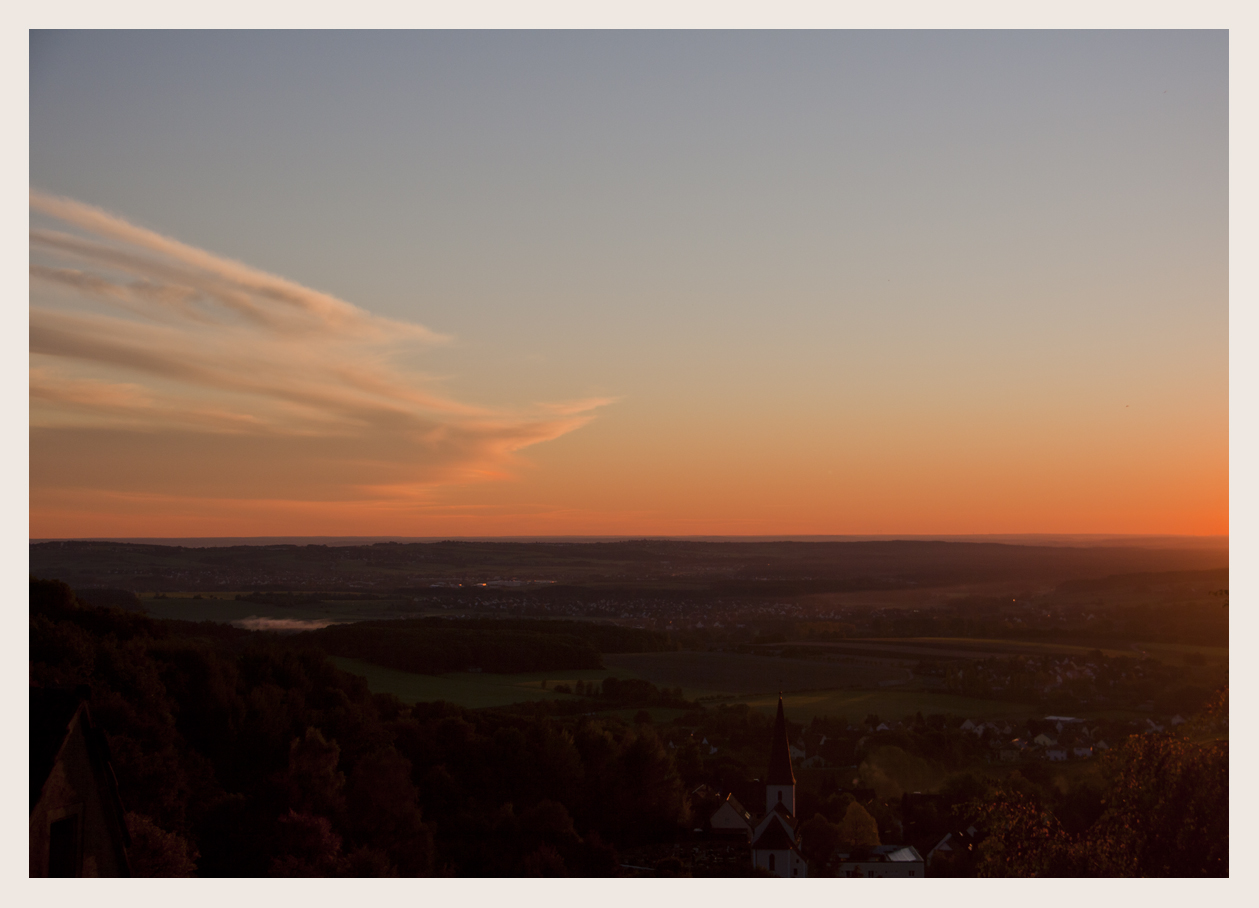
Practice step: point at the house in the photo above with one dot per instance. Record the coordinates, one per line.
(1044, 740)
(881, 861)
(1056, 755)
(949, 845)
(77, 823)
(775, 840)
(731, 819)
(952, 846)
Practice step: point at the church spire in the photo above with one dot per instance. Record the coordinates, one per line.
(780, 752)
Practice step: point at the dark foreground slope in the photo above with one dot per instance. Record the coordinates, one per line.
(245, 754)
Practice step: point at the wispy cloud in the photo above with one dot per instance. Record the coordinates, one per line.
(242, 383)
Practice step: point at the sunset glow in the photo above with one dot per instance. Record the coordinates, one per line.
(495, 285)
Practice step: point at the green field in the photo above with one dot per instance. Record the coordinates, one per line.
(849, 688)
(980, 647)
(1176, 652)
(474, 690)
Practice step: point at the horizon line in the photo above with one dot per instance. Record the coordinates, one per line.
(1060, 539)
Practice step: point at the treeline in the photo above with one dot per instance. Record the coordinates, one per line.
(1201, 623)
(438, 645)
(289, 598)
(247, 754)
(111, 598)
(606, 638)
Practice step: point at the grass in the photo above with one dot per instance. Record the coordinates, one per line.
(811, 687)
(473, 690)
(1175, 652)
(480, 690)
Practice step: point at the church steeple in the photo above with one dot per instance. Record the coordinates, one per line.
(780, 780)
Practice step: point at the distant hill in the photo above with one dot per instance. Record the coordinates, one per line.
(1180, 581)
(692, 568)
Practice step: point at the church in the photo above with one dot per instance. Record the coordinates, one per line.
(776, 839)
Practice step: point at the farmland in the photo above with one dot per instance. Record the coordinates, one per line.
(724, 679)
(475, 690)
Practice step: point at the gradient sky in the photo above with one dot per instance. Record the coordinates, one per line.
(628, 283)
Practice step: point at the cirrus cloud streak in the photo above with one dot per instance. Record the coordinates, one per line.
(159, 368)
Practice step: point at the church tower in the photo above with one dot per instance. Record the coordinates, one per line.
(780, 780)
(776, 840)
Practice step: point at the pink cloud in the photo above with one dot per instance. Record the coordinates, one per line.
(165, 369)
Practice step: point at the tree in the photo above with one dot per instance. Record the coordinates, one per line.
(156, 852)
(312, 780)
(384, 812)
(819, 838)
(1165, 813)
(307, 845)
(858, 829)
(1166, 810)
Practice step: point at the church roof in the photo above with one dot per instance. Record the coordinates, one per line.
(51, 710)
(774, 838)
(781, 809)
(780, 752)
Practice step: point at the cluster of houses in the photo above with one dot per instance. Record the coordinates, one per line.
(1072, 740)
(1098, 680)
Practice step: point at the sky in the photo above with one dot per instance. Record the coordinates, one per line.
(658, 283)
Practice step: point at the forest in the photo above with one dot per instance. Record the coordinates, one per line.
(239, 755)
(436, 645)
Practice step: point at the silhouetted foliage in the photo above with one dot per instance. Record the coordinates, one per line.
(1163, 812)
(245, 754)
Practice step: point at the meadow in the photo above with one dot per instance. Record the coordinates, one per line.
(477, 690)
(474, 690)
